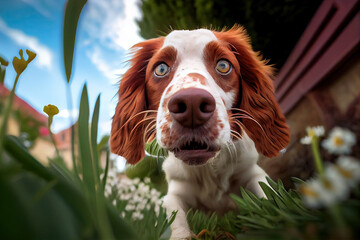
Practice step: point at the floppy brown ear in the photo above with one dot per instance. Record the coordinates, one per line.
(127, 128)
(257, 95)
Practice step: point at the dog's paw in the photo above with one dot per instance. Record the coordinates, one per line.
(181, 234)
(255, 188)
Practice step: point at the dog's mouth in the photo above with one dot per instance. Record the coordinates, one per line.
(195, 152)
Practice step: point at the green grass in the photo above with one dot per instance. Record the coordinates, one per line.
(54, 202)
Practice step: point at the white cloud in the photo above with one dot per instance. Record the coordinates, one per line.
(59, 124)
(41, 6)
(66, 113)
(44, 54)
(111, 69)
(63, 121)
(113, 22)
(105, 127)
(112, 30)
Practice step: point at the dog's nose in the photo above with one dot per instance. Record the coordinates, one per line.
(192, 107)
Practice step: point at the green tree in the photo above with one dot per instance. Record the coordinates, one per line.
(274, 26)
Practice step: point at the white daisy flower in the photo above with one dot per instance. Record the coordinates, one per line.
(147, 180)
(130, 207)
(334, 187)
(136, 181)
(137, 216)
(137, 195)
(340, 141)
(310, 193)
(324, 191)
(349, 169)
(317, 131)
(306, 140)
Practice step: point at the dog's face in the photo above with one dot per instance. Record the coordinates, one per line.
(196, 91)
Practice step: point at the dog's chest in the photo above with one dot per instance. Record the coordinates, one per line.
(213, 188)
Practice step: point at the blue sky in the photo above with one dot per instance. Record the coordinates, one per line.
(106, 30)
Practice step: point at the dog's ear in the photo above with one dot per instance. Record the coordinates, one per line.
(257, 95)
(127, 131)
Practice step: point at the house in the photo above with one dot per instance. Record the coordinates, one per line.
(29, 125)
(320, 84)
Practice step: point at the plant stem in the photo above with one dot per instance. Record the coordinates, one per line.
(6, 114)
(339, 221)
(317, 157)
(52, 138)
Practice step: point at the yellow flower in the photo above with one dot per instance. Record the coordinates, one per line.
(20, 64)
(31, 55)
(51, 110)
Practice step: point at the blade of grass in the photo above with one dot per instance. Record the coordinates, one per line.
(247, 198)
(70, 194)
(102, 217)
(297, 180)
(106, 169)
(94, 129)
(16, 218)
(73, 10)
(88, 170)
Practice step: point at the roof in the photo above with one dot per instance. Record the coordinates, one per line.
(332, 37)
(23, 105)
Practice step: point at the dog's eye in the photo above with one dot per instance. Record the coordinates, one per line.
(161, 70)
(223, 67)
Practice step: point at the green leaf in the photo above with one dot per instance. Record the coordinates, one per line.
(154, 149)
(73, 10)
(145, 168)
(270, 194)
(3, 61)
(103, 144)
(14, 146)
(259, 222)
(297, 180)
(69, 193)
(249, 200)
(2, 74)
(104, 179)
(13, 208)
(94, 129)
(272, 183)
(88, 170)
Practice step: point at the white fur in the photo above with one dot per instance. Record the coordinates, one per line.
(190, 47)
(208, 186)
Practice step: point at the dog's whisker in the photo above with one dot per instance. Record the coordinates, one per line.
(241, 110)
(238, 123)
(151, 126)
(149, 129)
(148, 137)
(235, 134)
(250, 117)
(141, 123)
(152, 136)
(138, 114)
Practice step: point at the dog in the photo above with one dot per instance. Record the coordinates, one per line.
(208, 99)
